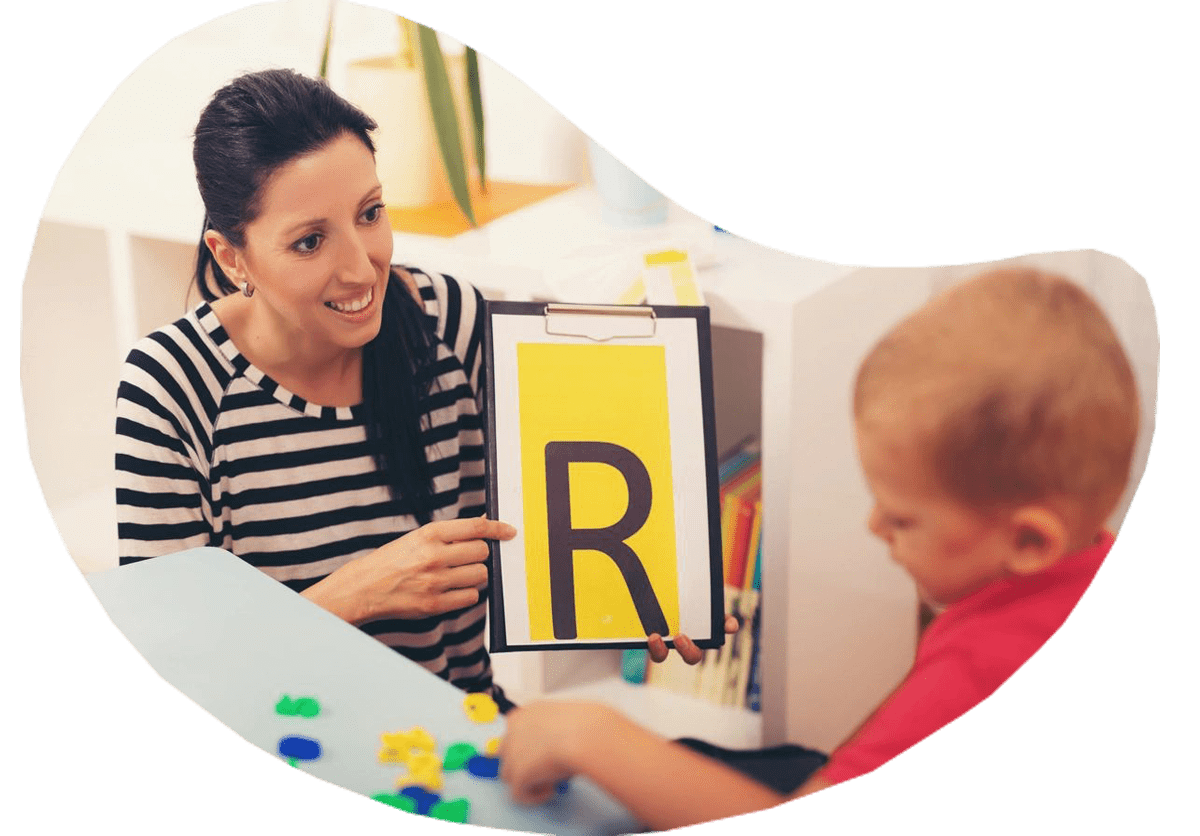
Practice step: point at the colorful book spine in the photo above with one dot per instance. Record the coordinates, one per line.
(754, 680)
(728, 675)
(754, 549)
(743, 503)
(633, 665)
(740, 674)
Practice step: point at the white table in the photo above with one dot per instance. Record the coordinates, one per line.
(234, 641)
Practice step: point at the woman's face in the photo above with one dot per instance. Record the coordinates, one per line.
(319, 252)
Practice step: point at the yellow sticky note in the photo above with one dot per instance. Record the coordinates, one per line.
(670, 279)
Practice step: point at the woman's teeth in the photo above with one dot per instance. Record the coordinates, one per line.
(354, 306)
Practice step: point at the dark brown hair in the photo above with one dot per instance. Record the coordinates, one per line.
(251, 127)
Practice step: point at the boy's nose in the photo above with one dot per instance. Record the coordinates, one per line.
(875, 524)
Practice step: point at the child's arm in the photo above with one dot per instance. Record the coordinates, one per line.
(663, 784)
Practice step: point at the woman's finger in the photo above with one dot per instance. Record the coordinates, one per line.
(732, 624)
(464, 553)
(454, 599)
(470, 576)
(472, 528)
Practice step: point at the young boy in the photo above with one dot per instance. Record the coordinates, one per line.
(995, 429)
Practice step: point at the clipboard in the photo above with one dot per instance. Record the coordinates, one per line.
(601, 450)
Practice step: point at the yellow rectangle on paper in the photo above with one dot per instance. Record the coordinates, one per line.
(614, 395)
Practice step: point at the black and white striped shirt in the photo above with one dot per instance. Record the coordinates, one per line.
(213, 452)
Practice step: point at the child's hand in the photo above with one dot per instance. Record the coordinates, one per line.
(541, 746)
(691, 654)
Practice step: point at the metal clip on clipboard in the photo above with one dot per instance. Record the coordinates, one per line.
(600, 322)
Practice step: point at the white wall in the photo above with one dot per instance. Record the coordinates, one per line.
(137, 150)
(129, 183)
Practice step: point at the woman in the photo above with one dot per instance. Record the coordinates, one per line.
(318, 414)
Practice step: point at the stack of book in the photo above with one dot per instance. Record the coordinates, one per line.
(728, 675)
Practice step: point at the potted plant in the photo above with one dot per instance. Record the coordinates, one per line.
(429, 108)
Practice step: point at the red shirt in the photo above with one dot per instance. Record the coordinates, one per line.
(965, 654)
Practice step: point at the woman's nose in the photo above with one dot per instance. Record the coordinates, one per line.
(355, 266)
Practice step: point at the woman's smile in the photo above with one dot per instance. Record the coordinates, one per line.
(357, 309)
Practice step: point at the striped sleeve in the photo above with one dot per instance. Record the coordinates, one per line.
(165, 404)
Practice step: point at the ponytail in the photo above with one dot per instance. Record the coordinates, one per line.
(398, 375)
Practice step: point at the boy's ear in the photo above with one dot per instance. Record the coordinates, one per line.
(227, 256)
(1038, 539)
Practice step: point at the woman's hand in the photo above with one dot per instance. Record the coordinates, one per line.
(687, 648)
(542, 743)
(438, 568)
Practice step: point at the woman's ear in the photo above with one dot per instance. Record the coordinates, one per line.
(1037, 539)
(227, 256)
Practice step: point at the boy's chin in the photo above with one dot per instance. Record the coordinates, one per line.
(930, 600)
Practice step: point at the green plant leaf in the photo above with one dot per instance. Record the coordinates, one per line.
(445, 118)
(476, 95)
(323, 70)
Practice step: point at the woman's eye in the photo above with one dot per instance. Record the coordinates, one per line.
(372, 214)
(308, 244)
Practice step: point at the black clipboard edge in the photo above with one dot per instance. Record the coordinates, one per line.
(708, 405)
(497, 638)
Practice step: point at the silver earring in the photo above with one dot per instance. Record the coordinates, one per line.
(247, 289)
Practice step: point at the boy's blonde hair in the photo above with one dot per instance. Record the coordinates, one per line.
(1016, 386)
